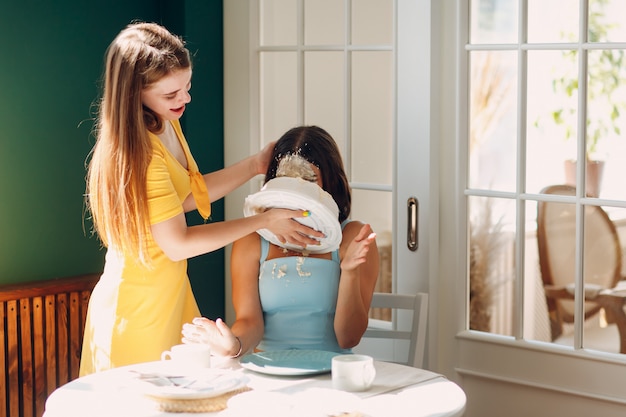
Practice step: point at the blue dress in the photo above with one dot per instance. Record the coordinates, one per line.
(299, 297)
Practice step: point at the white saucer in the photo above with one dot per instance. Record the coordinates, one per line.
(299, 194)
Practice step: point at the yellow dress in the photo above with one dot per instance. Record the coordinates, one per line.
(135, 312)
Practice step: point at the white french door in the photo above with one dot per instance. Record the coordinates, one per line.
(361, 70)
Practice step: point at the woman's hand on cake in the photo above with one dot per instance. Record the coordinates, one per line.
(288, 230)
(263, 157)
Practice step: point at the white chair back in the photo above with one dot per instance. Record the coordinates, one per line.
(415, 334)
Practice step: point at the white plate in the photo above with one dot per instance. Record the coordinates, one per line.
(289, 362)
(193, 386)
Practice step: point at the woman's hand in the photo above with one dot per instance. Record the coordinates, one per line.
(288, 230)
(214, 333)
(264, 157)
(356, 254)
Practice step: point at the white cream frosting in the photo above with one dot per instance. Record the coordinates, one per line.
(299, 194)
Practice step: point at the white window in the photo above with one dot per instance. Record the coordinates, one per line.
(547, 88)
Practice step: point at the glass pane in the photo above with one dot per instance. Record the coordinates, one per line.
(602, 270)
(372, 117)
(492, 264)
(556, 235)
(551, 120)
(551, 21)
(536, 320)
(279, 20)
(493, 126)
(324, 93)
(278, 94)
(606, 109)
(610, 181)
(372, 22)
(606, 21)
(324, 22)
(607, 338)
(375, 208)
(493, 21)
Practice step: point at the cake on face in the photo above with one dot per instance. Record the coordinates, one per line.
(295, 188)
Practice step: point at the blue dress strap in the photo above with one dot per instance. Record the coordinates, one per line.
(265, 248)
(335, 255)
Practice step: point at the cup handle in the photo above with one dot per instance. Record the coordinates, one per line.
(166, 355)
(369, 373)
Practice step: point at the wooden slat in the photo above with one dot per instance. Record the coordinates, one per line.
(13, 382)
(26, 332)
(62, 339)
(84, 306)
(75, 334)
(39, 356)
(3, 362)
(51, 344)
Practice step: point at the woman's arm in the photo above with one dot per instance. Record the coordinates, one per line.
(223, 181)
(248, 326)
(179, 241)
(359, 272)
(244, 267)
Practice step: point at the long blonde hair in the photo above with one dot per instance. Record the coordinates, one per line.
(139, 56)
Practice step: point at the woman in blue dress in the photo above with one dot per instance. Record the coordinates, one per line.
(289, 299)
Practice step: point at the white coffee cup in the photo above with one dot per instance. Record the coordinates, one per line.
(353, 372)
(189, 355)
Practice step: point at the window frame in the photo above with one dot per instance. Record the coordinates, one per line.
(512, 359)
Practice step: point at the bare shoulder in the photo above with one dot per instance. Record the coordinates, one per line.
(249, 244)
(350, 232)
(351, 229)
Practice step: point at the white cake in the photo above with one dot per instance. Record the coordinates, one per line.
(299, 194)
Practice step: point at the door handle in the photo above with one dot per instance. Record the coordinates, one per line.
(412, 207)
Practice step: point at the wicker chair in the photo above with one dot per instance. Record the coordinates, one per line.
(556, 241)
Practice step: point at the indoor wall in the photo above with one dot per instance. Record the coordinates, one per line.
(51, 62)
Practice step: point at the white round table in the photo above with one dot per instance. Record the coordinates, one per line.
(398, 390)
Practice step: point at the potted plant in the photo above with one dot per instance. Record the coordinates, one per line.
(605, 77)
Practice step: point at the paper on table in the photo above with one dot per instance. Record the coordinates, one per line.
(395, 377)
(389, 377)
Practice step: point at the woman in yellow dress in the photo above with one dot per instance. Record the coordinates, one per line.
(141, 180)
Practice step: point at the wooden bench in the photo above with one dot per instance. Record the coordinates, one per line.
(41, 340)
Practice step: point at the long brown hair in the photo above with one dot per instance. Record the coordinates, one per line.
(318, 147)
(139, 56)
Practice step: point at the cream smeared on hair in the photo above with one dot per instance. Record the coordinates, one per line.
(295, 166)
